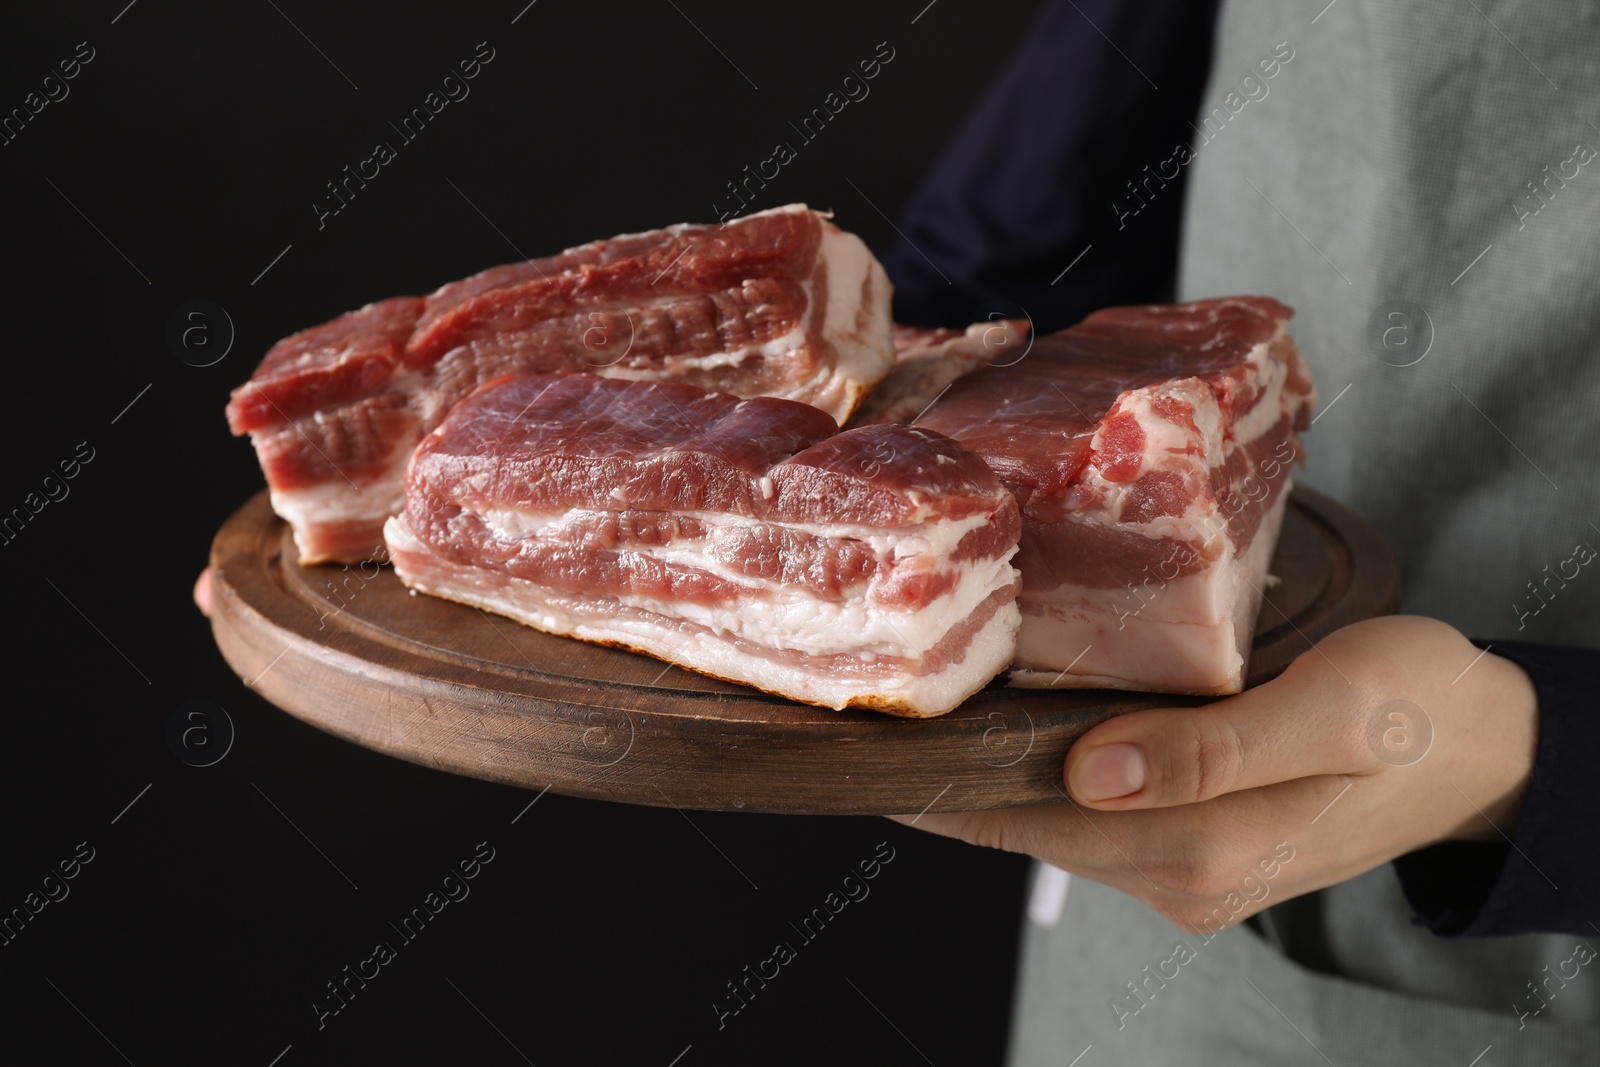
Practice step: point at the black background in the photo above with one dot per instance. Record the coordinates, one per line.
(186, 157)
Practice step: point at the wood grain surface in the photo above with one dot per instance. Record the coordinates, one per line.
(351, 651)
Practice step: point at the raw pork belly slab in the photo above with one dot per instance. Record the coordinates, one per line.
(1149, 448)
(781, 303)
(746, 539)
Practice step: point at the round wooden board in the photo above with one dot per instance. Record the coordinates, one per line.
(349, 650)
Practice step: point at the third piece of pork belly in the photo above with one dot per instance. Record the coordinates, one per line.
(1150, 449)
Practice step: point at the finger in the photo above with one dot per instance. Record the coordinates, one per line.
(202, 592)
(1277, 732)
(1034, 831)
(1060, 834)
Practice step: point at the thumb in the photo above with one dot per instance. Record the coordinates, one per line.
(1276, 732)
(202, 592)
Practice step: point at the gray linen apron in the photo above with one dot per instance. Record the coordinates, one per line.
(1429, 161)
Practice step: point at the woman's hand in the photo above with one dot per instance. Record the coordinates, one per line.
(1388, 736)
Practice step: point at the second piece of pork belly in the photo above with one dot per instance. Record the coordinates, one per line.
(747, 539)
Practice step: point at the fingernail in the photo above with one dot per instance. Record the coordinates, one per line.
(1108, 771)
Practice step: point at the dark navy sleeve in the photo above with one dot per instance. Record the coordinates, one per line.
(1547, 879)
(1063, 157)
